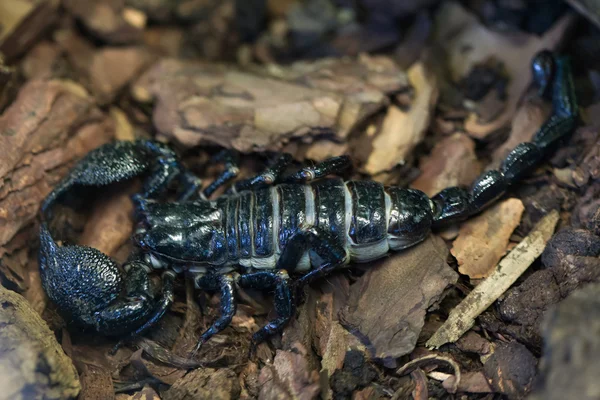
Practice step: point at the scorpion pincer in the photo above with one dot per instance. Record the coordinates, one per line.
(267, 230)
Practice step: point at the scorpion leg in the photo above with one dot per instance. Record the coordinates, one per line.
(269, 177)
(230, 160)
(191, 187)
(284, 303)
(331, 166)
(226, 284)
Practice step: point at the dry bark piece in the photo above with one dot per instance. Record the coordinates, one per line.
(23, 22)
(462, 317)
(109, 20)
(511, 369)
(570, 365)
(402, 130)
(205, 383)
(482, 240)
(471, 382)
(198, 102)
(452, 162)
(388, 303)
(50, 125)
(105, 70)
(32, 363)
(288, 376)
(458, 30)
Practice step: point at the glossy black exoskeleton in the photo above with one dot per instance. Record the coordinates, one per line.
(267, 228)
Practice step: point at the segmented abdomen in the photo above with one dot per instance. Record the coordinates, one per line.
(362, 216)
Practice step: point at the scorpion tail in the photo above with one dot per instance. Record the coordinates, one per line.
(553, 75)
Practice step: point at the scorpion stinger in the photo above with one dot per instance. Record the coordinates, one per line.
(271, 232)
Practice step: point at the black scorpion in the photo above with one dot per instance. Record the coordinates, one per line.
(267, 228)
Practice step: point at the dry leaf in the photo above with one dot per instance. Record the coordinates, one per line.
(388, 303)
(462, 317)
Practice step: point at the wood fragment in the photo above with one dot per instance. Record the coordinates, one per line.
(205, 383)
(402, 130)
(463, 316)
(49, 126)
(23, 22)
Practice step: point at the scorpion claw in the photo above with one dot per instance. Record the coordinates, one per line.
(90, 291)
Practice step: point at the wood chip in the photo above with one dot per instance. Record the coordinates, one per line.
(403, 130)
(388, 303)
(105, 70)
(482, 241)
(111, 224)
(463, 316)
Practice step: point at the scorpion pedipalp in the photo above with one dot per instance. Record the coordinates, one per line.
(90, 291)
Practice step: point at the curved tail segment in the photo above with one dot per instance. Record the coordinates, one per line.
(553, 76)
(87, 285)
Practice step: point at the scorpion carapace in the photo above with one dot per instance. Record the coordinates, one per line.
(265, 229)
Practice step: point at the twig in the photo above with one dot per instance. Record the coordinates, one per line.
(509, 269)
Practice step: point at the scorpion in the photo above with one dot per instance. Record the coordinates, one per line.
(265, 230)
